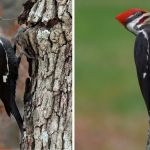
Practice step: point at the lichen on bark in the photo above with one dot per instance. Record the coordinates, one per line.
(48, 97)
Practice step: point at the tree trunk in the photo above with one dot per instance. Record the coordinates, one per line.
(48, 95)
(148, 138)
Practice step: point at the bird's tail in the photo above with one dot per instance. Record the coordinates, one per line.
(14, 109)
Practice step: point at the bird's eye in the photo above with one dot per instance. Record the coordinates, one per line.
(133, 16)
(137, 14)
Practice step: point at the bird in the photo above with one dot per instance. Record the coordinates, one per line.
(137, 21)
(9, 64)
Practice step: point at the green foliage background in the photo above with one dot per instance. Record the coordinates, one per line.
(106, 82)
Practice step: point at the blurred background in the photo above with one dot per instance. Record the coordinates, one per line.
(9, 132)
(110, 111)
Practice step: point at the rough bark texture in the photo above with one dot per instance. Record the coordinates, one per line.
(48, 99)
(148, 139)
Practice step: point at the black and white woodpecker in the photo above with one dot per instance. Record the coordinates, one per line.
(137, 21)
(9, 64)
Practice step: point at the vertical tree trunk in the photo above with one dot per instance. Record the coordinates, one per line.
(48, 100)
(148, 138)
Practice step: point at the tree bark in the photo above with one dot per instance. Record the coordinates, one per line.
(148, 138)
(47, 42)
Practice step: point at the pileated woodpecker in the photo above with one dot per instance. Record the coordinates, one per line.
(9, 64)
(137, 21)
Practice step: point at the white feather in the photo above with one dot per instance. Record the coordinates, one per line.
(5, 77)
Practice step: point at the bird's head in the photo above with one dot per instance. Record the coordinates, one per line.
(134, 19)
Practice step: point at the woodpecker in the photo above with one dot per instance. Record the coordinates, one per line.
(9, 64)
(137, 21)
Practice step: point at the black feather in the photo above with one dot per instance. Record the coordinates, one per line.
(142, 61)
(8, 88)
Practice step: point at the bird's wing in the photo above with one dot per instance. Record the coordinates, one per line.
(142, 61)
(4, 96)
(13, 107)
(3, 60)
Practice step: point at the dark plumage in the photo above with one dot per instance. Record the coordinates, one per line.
(9, 64)
(142, 61)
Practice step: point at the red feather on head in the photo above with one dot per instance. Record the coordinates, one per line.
(122, 18)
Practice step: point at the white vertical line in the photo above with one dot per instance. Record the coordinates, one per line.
(5, 77)
(73, 74)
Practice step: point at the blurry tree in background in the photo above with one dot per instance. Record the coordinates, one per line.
(10, 9)
(48, 100)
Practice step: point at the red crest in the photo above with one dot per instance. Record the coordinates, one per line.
(122, 18)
